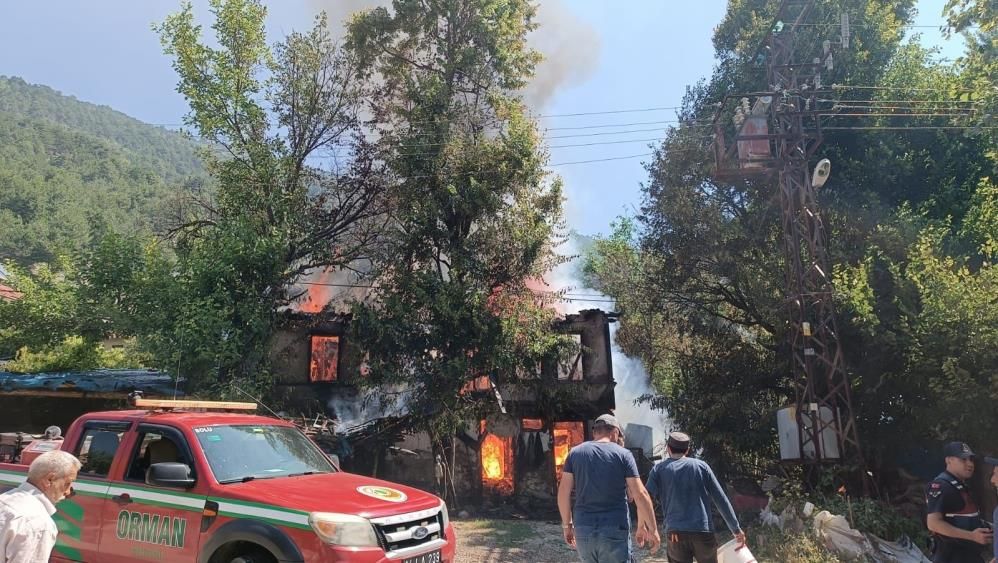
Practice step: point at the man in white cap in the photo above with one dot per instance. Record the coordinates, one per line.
(686, 487)
(603, 474)
(27, 531)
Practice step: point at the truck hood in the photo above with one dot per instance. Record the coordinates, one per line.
(341, 492)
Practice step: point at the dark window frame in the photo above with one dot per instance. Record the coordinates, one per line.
(183, 446)
(105, 426)
(339, 357)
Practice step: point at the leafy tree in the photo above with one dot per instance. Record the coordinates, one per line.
(910, 216)
(277, 114)
(977, 20)
(46, 311)
(474, 215)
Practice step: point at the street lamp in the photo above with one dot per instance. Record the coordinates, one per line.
(821, 172)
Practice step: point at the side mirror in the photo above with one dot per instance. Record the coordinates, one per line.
(169, 474)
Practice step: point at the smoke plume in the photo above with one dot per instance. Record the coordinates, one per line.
(631, 379)
(570, 46)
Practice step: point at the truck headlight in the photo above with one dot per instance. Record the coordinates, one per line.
(343, 529)
(446, 516)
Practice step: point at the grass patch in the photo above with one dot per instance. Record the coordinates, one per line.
(769, 543)
(505, 532)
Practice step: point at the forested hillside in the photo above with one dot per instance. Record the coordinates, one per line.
(65, 164)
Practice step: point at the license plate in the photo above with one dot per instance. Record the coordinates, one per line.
(431, 557)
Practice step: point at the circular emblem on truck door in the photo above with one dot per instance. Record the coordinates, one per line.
(420, 533)
(383, 493)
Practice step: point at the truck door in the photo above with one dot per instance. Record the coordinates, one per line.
(147, 522)
(79, 517)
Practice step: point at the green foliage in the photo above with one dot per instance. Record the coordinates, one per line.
(64, 162)
(74, 354)
(275, 214)
(910, 216)
(475, 214)
(46, 312)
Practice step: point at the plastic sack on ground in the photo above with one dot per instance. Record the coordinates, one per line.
(901, 551)
(767, 517)
(838, 536)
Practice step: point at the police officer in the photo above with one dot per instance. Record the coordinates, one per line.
(958, 531)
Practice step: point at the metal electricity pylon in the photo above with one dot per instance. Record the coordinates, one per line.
(776, 135)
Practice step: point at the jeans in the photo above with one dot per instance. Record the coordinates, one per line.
(603, 543)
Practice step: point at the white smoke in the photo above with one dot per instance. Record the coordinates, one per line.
(352, 411)
(628, 373)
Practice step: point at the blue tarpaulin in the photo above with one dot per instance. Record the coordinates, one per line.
(101, 381)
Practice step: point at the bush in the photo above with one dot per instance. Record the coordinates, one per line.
(73, 354)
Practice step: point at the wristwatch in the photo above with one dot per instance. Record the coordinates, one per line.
(566, 526)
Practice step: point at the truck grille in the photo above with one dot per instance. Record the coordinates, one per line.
(405, 534)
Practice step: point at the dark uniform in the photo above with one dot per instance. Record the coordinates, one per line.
(949, 496)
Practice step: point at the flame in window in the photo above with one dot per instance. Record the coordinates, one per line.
(566, 436)
(497, 464)
(325, 358)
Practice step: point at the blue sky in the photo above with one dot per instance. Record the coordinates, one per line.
(642, 54)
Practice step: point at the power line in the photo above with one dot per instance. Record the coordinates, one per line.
(616, 125)
(972, 102)
(603, 159)
(906, 114)
(605, 133)
(894, 88)
(910, 127)
(606, 143)
(608, 112)
(867, 25)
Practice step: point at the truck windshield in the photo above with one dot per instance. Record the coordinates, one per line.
(244, 452)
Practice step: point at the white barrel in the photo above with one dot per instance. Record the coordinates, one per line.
(732, 552)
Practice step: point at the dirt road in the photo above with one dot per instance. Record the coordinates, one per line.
(508, 541)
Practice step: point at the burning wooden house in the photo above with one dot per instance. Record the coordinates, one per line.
(517, 455)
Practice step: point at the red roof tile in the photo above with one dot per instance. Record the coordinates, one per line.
(9, 293)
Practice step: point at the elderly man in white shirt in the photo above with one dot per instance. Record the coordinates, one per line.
(27, 531)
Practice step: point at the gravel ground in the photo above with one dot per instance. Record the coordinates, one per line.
(507, 541)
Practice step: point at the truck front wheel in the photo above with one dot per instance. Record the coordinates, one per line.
(255, 556)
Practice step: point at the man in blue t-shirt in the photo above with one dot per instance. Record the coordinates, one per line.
(602, 474)
(685, 487)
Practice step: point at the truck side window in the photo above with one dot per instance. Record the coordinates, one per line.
(155, 447)
(97, 449)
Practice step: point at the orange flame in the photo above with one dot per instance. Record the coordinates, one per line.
(567, 435)
(497, 464)
(318, 293)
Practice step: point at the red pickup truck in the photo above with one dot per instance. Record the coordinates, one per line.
(212, 487)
